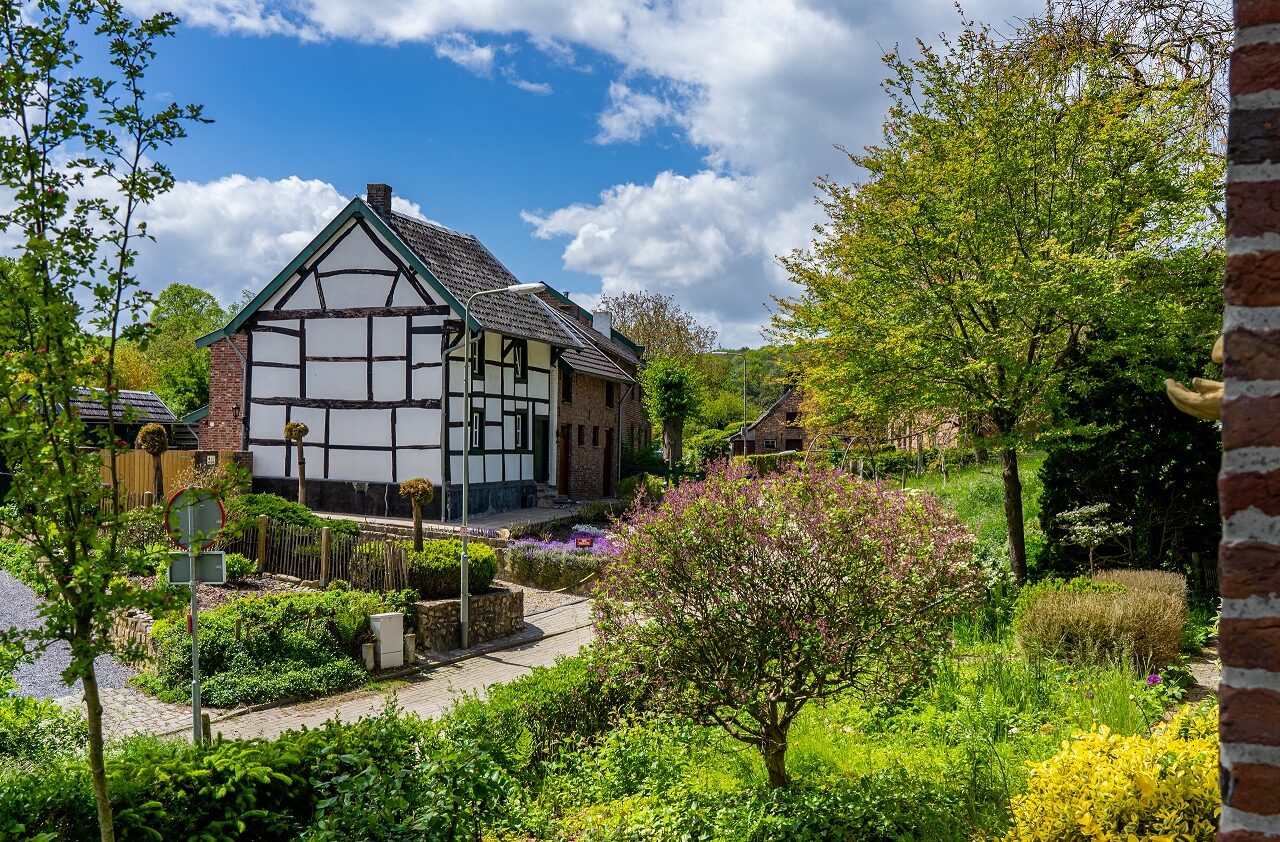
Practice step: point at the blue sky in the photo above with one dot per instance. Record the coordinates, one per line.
(603, 146)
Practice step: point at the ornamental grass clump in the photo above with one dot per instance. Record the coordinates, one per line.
(741, 599)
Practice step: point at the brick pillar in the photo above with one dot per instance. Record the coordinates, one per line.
(1250, 480)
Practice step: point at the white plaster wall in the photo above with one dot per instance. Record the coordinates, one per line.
(360, 465)
(407, 296)
(306, 298)
(341, 291)
(341, 381)
(360, 426)
(357, 251)
(418, 463)
(426, 346)
(337, 338)
(266, 421)
(388, 336)
(417, 426)
(426, 384)
(389, 381)
(268, 460)
(269, 382)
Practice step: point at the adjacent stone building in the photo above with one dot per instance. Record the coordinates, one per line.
(778, 429)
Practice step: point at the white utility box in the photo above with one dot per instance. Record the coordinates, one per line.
(388, 634)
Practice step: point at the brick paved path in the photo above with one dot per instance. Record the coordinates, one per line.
(548, 634)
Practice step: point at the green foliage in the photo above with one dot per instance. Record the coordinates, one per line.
(245, 509)
(143, 526)
(240, 567)
(763, 464)
(648, 487)
(670, 389)
(1155, 468)
(181, 315)
(707, 446)
(33, 730)
(436, 572)
(1080, 584)
(548, 712)
(599, 511)
(641, 461)
(20, 561)
(1164, 785)
(291, 645)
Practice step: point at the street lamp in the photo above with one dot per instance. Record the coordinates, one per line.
(464, 599)
(742, 354)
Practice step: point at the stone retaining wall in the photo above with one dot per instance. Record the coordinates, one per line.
(134, 629)
(495, 614)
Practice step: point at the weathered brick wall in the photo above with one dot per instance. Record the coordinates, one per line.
(1249, 483)
(587, 412)
(218, 430)
(493, 615)
(775, 427)
(637, 431)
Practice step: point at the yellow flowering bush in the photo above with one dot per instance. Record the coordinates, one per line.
(1104, 786)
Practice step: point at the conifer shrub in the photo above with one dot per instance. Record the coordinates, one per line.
(1102, 785)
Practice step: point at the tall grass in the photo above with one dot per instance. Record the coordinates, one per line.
(976, 494)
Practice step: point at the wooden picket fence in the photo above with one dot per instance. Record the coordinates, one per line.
(319, 555)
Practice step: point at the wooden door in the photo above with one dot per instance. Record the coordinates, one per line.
(562, 460)
(609, 456)
(541, 453)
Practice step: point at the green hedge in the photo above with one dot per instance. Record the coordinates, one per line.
(246, 509)
(300, 645)
(436, 572)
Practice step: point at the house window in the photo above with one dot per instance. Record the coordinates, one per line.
(520, 424)
(595, 436)
(477, 429)
(582, 434)
(793, 417)
(566, 388)
(477, 356)
(794, 444)
(519, 360)
(770, 444)
(608, 394)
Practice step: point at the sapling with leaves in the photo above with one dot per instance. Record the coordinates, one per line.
(153, 439)
(742, 599)
(296, 431)
(420, 492)
(77, 163)
(1088, 527)
(671, 395)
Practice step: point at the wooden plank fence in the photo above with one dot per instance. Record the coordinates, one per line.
(135, 472)
(321, 556)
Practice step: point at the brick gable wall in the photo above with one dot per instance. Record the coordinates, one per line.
(219, 430)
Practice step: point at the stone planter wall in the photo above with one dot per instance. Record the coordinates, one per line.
(495, 614)
(134, 629)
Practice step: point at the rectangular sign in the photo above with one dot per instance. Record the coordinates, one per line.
(585, 543)
(211, 568)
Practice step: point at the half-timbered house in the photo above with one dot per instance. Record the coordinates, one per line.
(360, 338)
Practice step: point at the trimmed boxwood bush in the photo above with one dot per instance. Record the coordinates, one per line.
(436, 572)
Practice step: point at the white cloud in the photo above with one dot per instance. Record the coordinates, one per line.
(462, 50)
(630, 114)
(766, 88)
(236, 232)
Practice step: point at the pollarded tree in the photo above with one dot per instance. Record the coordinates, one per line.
(1023, 192)
(740, 599)
(671, 395)
(154, 440)
(296, 431)
(420, 492)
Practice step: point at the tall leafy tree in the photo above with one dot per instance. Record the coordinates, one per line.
(657, 322)
(182, 314)
(1022, 192)
(671, 394)
(70, 299)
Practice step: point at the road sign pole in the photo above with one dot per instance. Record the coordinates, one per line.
(196, 730)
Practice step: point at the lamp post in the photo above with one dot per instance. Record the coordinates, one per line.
(743, 354)
(464, 598)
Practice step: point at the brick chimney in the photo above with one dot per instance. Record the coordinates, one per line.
(379, 198)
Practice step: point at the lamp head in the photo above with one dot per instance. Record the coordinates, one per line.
(527, 289)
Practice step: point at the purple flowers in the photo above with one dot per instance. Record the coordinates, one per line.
(1154, 680)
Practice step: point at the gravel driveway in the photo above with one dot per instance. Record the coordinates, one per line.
(42, 678)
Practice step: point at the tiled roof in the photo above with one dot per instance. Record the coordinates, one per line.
(756, 423)
(147, 408)
(588, 358)
(465, 266)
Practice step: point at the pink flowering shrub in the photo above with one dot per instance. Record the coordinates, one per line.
(739, 600)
